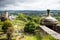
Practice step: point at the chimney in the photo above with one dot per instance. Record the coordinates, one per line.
(48, 12)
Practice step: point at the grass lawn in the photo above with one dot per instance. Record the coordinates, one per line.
(1, 32)
(48, 37)
(4, 38)
(59, 22)
(37, 37)
(20, 24)
(29, 37)
(33, 37)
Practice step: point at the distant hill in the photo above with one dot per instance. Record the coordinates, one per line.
(30, 12)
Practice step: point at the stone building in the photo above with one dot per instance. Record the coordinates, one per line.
(5, 16)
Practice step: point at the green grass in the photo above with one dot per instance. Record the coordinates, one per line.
(20, 24)
(1, 32)
(58, 22)
(29, 37)
(38, 37)
(3, 37)
(48, 37)
(33, 37)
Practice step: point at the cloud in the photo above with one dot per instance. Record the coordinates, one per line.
(29, 4)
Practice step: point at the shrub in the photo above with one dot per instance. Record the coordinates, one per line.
(5, 26)
(21, 16)
(30, 27)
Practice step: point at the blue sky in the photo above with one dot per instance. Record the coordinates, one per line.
(29, 4)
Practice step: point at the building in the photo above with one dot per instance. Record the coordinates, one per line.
(12, 17)
(5, 16)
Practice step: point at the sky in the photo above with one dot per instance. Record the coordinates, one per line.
(29, 4)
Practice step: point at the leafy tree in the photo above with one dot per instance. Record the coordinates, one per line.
(1, 23)
(30, 27)
(29, 18)
(22, 17)
(7, 27)
(9, 33)
(36, 19)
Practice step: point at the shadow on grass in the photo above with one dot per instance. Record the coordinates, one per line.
(3, 39)
(39, 37)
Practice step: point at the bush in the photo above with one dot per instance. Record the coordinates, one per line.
(21, 16)
(5, 26)
(30, 27)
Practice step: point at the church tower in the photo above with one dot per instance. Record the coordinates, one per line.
(6, 14)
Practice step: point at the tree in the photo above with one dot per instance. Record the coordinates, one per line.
(9, 33)
(1, 23)
(7, 27)
(30, 27)
(22, 17)
(36, 19)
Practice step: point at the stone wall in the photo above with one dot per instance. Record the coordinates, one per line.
(51, 32)
(56, 28)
